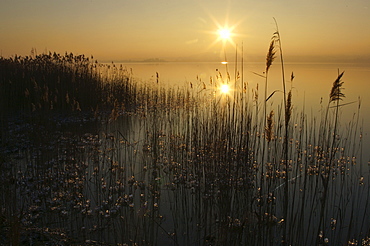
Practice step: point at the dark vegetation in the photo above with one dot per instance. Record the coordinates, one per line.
(62, 83)
(42, 98)
(88, 156)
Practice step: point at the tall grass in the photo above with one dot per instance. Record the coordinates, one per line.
(61, 83)
(183, 166)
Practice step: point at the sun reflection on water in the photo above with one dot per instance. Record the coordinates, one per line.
(224, 88)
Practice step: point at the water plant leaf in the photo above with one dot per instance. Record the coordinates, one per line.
(263, 76)
(344, 104)
(271, 95)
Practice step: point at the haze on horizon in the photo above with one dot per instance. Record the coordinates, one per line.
(117, 30)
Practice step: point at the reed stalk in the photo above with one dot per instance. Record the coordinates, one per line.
(181, 166)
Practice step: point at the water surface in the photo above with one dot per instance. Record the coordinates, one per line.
(311, 84)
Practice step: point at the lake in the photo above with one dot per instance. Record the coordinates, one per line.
(185, 164)
(215, 182)
(311, 85)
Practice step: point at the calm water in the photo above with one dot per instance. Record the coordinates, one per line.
(311, 85)
(311, 88)
(180, 177)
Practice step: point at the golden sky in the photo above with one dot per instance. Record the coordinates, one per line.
(173, 29)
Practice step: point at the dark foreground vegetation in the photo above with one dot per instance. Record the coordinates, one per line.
(89, 157)
(61, 83)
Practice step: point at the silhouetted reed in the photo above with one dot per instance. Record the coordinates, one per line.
(177, 166)
(61, 83)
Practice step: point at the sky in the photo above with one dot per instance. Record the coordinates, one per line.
(118, 30)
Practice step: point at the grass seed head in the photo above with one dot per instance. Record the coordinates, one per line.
(270, 55)
(289, 106)
(269, 131)
(336, 91)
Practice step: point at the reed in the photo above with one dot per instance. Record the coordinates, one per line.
(178, 166)
(61, 83)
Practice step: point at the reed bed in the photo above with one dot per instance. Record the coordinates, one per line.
(62, 83)
(178, 166)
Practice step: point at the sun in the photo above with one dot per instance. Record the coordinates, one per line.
(224, 33)
(224, 89)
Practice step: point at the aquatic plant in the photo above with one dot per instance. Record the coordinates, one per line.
(178, 166)
(62, 83)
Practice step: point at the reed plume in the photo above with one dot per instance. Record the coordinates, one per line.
(336, 91)
(269, 129)
(288, 110)
(269, 59)
(270, 55)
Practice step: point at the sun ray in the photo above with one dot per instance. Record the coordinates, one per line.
(223, 33)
